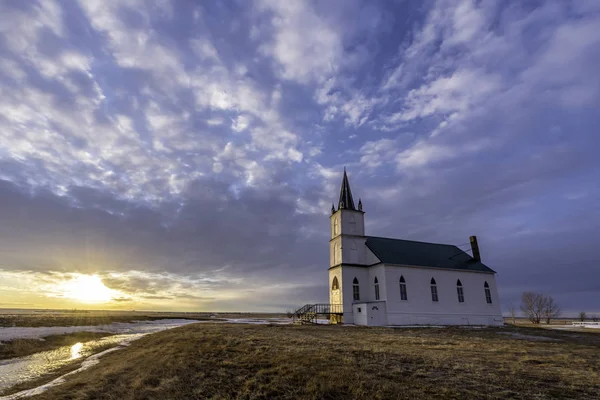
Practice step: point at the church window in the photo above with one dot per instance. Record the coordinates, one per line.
(336, 226)
(459, 291)
(488, 293)
(434, 292)
(335, 285)
(355, 290)
(376, 289)
(337, 253)
(403, 295)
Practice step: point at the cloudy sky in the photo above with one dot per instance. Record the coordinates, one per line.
(184, 155)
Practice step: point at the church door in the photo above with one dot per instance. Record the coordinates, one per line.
(375, 316)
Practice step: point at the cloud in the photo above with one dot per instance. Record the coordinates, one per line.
(305, 46)
(460, 92)
(189, 156)
(240, 123)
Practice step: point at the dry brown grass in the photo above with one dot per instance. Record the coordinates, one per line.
(228, 361)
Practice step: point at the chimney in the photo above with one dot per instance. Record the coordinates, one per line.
(475, 248)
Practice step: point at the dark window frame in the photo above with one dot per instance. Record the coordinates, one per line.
(460, 292)
(335, 284)
(488, 293)
(403, 292)
(434, 293)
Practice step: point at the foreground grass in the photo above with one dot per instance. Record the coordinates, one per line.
(227, 361)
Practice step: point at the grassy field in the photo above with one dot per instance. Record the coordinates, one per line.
(233, 361)
(24, 347)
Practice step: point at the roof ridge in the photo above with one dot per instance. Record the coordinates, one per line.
(414, 241)
(423, 254)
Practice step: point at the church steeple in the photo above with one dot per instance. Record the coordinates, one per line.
(346, 201)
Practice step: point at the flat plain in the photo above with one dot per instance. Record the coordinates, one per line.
(49, 318)
(242, 361)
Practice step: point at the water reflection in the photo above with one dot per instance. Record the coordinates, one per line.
(17, 370)
(76, 350)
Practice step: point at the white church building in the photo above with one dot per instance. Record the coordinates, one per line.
(380, 281)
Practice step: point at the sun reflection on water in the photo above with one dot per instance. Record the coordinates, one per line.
(76, 350)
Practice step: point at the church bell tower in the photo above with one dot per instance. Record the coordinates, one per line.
(347, 252)
(346, 245)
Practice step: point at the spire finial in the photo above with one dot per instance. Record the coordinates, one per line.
(346, 201)
(332, 209)
(359, 204)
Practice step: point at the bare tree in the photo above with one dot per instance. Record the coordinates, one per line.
(549, 308)
(532, 305)
(582, 316)
(513, 312)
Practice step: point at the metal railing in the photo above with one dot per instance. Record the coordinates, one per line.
(310, 312)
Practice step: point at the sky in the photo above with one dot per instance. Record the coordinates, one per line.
(184, 155)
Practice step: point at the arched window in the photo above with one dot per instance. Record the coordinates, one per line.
(403, 295)
(355, 290)
(459, 291)
(336, 226)
(434, 293)
(335, 284)
(337, 253)
(376, 289)
(488, 293)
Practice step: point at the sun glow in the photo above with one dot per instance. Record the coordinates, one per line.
(76, 350)
(87, 289)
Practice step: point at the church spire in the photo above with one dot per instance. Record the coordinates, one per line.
(346, 201)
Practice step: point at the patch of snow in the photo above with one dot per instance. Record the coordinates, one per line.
(116, 328)
(517, 335)
(415, 326)
(258, 321)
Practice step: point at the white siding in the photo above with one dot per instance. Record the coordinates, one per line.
(419, 307)
(370, 257)
(360, 313)
(379, 272)
(370, 314)
(365, 286)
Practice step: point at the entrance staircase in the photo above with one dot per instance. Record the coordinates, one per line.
(310, 313)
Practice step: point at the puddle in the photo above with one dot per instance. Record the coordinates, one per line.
(22, 369)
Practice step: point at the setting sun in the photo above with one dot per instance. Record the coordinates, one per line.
(87, 289)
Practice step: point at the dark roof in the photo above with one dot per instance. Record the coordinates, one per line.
(408, 252)
(346, 201)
